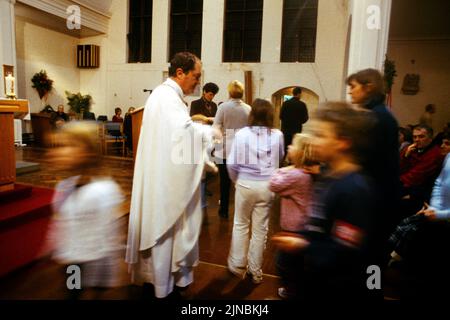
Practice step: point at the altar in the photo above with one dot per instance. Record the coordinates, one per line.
(25, 211)
(9, 110)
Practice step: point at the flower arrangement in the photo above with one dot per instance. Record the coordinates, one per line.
(79, 103)
(42, 83)
(389, 74)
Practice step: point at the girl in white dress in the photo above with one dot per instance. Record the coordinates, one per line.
(85, 225)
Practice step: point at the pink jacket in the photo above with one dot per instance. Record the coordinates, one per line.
(295, 188)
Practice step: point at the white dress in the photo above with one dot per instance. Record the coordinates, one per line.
(85, 229)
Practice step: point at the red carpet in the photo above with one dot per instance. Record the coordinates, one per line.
(23, 228)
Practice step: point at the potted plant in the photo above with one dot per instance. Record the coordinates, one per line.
(42, 83)
(389, 73)
(79, 103)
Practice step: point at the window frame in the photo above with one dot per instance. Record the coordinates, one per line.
(243, 32)
(284, 48)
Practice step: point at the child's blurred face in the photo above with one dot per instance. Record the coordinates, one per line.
(69, 154)
(293, 153)
(326, 143)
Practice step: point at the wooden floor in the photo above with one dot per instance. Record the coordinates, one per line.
(44, 279)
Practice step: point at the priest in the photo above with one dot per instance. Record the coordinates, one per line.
(165, 215)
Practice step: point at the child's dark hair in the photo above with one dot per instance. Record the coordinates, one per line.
(349, 123)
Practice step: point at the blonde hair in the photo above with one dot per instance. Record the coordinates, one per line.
(303, 142)
(86, 134)
(236, 89)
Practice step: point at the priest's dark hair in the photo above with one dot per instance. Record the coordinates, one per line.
(184, 60)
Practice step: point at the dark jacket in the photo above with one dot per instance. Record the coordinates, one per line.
(293, 115)
(88, 115)
(382, 164)
(201, 106)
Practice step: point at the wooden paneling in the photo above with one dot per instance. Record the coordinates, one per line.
(9, 108)
(136, 122)
(42, 127)
(248, 87)
(7, 162)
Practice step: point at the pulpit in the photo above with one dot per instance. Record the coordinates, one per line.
(9, 109)
(136, 123)
(41, 123)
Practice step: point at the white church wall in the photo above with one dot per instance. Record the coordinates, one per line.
(433, 66)
(39, 49)
(118, 83)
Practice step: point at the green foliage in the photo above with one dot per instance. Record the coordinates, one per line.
(42, 83)
(389, 74)
(78, 102)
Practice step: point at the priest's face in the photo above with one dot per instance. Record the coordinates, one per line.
(189, 81)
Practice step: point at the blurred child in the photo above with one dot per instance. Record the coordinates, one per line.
(294, 186)
(334, 256)
(85, 229)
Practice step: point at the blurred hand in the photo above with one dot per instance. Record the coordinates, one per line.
(410, 149)
(289, 242)
(312, 169)
(430, 214)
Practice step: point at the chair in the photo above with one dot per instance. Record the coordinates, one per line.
(102, 118)
(111, 133)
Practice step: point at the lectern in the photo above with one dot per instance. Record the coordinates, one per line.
(9, 109)
(136, 123)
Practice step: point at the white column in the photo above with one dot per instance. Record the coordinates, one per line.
(271, 31)
(369, 34)
(7, 40)
(160, 32)
(212, 32)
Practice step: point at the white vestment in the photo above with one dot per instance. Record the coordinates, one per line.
(165, 215)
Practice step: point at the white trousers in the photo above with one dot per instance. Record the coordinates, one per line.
(253, 200)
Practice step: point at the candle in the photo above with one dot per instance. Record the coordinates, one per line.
(9, 84)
